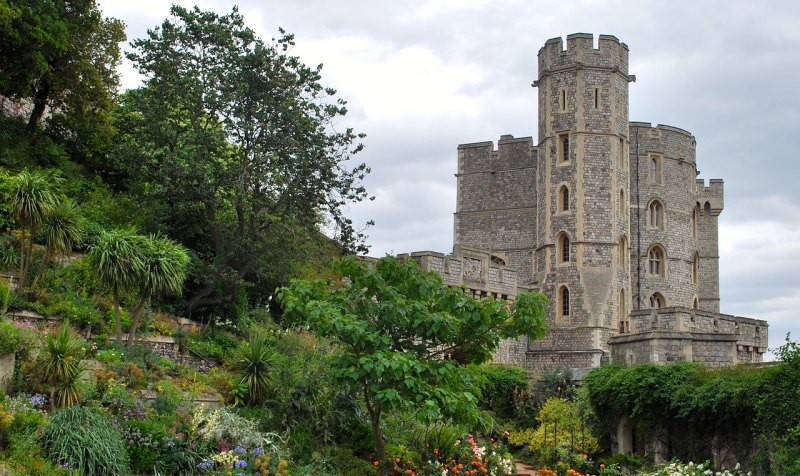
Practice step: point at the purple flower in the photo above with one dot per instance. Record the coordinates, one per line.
(258, 451)
(240, 464)
(239, 449)
(206, 464)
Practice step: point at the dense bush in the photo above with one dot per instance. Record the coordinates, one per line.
(83, 439)
(755, 410)
(500, 385)
(10, 338)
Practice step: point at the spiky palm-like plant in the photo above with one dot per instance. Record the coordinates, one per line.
(33, 197)
(254, 361)
(164, 264)
(61, 230)
(116, 262)
(63, 366)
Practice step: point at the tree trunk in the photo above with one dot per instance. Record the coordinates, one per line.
(377, 436)
(117, 319)
(137, 313)
(39, 106)
(20, 280)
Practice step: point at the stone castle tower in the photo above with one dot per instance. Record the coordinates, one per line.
(604, 216)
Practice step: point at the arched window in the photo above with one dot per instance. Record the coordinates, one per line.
(623, 314)
(622, 208)
(563, 248)
(694, 222)
(655, 215)
(695, 267)
(563, 302)
(563, 199)
(695, 303)
(623, 251)
(565, 147)
(657, 301)
(656, 261)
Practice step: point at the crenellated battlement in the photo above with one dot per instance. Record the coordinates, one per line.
(581, 53)
(510, 154)
(713, 194)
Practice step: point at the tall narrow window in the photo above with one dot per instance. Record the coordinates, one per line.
(655, 261)
(695, 267)
(622, 154)
(563, 198)
(562, 99)
(655, 170)
(623, 315)
(563, 302)
(695, 303)
(596, 98)
(623, 251)
(563, 147)
(563, 248)
(655, 215)
(621, 208)
(694, 223)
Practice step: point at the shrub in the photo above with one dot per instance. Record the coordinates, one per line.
(499, 385)
(84, 440)
(10, 338)
(223, 425)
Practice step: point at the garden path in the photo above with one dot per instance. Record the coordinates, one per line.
(524, 470)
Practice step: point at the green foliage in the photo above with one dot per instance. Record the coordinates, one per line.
(33, 198)
(254, 361)
(63, 365)
(562, 427)
(518, 438)
(61, 230)
(396, 326)
(86, 440)
(499, 386)
(162, 271)
(244, 129)
(61, 57)
(9, 255)
(555, 382)
(10, 337)
(212, 343)
(115, 261)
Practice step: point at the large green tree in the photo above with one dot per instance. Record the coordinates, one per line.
(235, 138)
(399, 326)
(61, 56)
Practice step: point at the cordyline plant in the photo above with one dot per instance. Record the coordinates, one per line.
(398, 328)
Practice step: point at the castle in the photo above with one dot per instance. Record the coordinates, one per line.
(604, 216)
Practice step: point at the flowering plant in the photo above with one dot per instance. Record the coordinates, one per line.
(241, 462)
(472, 457)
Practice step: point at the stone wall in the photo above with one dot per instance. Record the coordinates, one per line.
(683, 334)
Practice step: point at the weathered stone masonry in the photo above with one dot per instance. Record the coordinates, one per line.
(603, 215)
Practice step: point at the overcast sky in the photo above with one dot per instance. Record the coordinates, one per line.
(423, 76)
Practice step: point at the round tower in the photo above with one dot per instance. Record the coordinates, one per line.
(583, 191)
(674, 237)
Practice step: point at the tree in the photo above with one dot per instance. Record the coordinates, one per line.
(397, 327)
(116, 263)
(236, 138)
(162, 272)
(61, 55)
(33, 198)
(61, 230)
